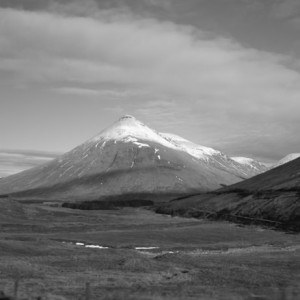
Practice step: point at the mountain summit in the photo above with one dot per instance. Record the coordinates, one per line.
(128, 129)
(127, 160)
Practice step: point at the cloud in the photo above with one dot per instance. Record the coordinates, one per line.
(160, 3)
(12, 162)
(285, 9)
(103, 93)
(216, 86)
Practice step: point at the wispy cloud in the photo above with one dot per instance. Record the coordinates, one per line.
(107, 93)
(12, 161)
(284, 9)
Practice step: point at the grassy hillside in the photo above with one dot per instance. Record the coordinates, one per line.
(272, 199)
(284, 177)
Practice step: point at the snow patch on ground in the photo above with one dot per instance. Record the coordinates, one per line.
(179, 178)
(146, 248)
(81, 244)
(95, 247)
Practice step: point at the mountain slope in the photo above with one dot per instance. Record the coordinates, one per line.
(286, 159)
(286, 176)
(251, 166)
(271, 198)
(127, 158)
(216, 158)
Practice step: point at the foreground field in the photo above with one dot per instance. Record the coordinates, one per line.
(137, 254)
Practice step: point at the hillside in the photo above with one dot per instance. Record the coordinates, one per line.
(286, 159)
(244, 167)
(251, 165)
(271, 199)
(286, 176)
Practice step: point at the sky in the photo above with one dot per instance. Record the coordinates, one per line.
(14, 161)
(221, 73)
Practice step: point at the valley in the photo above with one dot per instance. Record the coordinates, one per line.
(134, 253)
(149, 150)
(137, 214)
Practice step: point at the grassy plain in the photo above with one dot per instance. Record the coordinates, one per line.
(195, 259)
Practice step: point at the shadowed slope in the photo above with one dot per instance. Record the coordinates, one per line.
(286, 159)
(286, 176)
(272, 198)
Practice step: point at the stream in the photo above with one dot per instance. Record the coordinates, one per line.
(157, 251)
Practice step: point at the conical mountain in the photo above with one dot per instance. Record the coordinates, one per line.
(127, 158)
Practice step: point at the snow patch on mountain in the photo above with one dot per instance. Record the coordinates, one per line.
(133, 140)
(250, 162)
(129, 129)
(243, 160)
(198, 151)
(174, 137)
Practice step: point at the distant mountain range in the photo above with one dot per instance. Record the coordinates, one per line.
(129, 160)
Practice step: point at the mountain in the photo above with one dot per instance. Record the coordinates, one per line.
(244, 167)
(251, 166)
(271, 198)
(283, 178)
(127, 160)
(286, 159)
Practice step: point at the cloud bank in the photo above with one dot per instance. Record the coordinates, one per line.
(228, 93)
(12, 162)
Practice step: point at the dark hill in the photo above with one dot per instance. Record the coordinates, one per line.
(271, 198)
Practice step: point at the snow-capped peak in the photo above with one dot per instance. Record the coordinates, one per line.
(125, 117)
(243, 160)
(129, 129)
